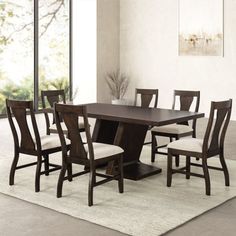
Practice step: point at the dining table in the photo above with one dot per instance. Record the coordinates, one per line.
(127, 126)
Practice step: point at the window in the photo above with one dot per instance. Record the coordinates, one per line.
(17, 44)
(54, 44)
(16, 50)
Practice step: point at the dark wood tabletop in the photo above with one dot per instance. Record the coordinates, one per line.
(139, 115)
(126, 126)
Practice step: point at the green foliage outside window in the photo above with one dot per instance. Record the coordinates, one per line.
(16, 22)
(24, 91)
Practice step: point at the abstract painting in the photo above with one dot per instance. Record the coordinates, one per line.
(201, 27)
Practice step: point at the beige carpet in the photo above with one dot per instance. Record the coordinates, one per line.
(147, 207)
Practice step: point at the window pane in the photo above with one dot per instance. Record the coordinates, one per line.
(53, 45)
(16, 50)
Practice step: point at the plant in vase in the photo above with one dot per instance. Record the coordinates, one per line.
(118, 84)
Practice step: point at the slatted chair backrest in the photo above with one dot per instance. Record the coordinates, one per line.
(146, 96)
(186, 99)
(217, 126)
(71, 115)
(49, 97)
(52, 96)
(17, 110)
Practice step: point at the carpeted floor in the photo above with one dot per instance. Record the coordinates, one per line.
(147, 207)
(139, 218)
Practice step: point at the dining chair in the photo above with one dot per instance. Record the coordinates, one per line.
(211, 146)
(146, 98)
(28, 141)
(183, 100)
(91, 155)
(49, 97)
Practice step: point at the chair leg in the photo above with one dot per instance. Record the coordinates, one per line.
(225, 169)
(60, 180)
(38, 173)
(206, 176)
(169, 169)
(187, 167)
(121, 176)
(13, 168)
(91, 185)
(46, 165)
(154, 146)
(69, 172)
(177, 158)
(194, 136)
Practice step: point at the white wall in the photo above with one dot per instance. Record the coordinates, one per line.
(149, 54)
(96, 47)
(85, 50)
(108, 44)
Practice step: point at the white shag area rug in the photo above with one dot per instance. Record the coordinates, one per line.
(147, 207)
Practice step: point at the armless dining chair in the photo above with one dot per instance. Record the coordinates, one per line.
(212, 145)
(91, 154)
(49, 97)
(146, 98)
(28, 141)
(183, 100)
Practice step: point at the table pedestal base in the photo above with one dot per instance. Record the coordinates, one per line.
(138, 170)
(130, 137)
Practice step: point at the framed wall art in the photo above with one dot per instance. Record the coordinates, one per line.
(201, 27)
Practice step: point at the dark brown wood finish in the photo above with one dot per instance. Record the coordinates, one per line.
(213, 144)
(186, 99)
(27, 143)
(139, 115)
(126, 126)
(78, 155)
(146, 96)
(49, 97)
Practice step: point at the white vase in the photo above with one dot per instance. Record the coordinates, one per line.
(118, 102)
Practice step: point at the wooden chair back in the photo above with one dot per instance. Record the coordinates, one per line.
(18, 110)
(219, 118)
(49, 97)
(52, 96)
(146, 96)
(71, 115)
(186, 99)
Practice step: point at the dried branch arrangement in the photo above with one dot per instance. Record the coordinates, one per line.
(117, 83)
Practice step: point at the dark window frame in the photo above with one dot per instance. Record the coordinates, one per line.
(36, 54)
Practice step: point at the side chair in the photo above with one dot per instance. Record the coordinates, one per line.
(28, 141)
(49, 97)
(212, 145)
(176, 131)
(146, 98)
(90, 155)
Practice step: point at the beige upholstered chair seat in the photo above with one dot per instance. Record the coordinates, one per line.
(63, 126)
(188, 144)
(173, 129)
(50, 141)
(102, 150)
